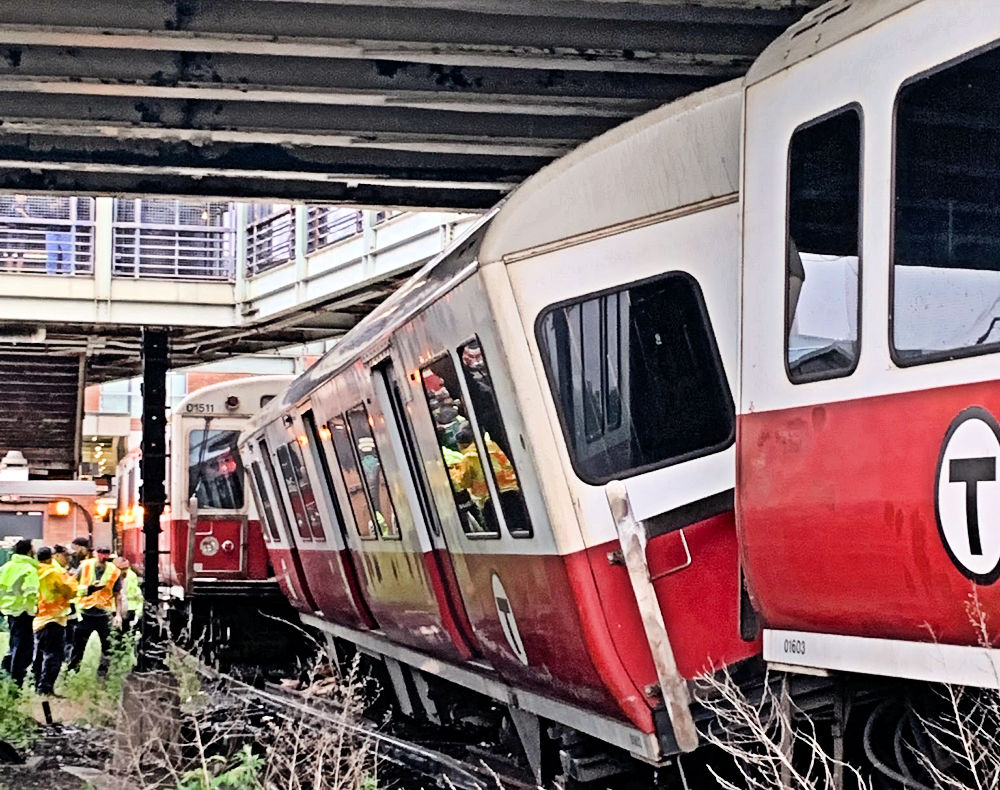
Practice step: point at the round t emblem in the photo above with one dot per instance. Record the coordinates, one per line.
(967, 494)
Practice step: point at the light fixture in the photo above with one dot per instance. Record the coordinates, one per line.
(62, 508)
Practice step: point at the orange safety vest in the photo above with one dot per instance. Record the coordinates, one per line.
(56, 591)
(103, 598)
(503, 469)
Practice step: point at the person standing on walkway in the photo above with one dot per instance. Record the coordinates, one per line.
(56, 592)
(18, 603)
(100, 599)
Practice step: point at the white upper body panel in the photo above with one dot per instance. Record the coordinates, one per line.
(679, 155)
(878, 49)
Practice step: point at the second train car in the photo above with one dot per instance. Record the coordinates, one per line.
(516, 476)
(213, 561)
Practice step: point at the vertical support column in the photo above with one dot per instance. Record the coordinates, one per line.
(81, 386)
(152, 494)
(370, 238)
(104, 217)
(301, 245)
(240, 274)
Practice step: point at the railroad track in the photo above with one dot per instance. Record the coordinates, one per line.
(444, 769)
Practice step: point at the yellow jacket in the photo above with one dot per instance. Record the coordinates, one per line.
(104, 598)
(56, 592)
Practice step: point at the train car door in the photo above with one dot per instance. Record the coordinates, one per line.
(436, 557)
(331, 572)
(282, 548)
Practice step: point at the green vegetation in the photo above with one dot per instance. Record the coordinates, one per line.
(241, 772)
(88, 699)
(96, 698)
(17, 726)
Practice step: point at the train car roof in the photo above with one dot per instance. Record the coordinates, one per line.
(681, 154)
(696, 142)
(821, 29)
(434, 278)
(233, 384)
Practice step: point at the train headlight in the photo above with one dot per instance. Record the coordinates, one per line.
(209, 546)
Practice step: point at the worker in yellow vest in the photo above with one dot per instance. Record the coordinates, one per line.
(100, 603)
(18, 602)
(133, 595)
(56, 593)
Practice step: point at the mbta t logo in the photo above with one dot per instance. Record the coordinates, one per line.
(967, 494)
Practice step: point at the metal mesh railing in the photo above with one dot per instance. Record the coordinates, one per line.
(270, 236)
(174, 239)
(46, 234)
(327, 225)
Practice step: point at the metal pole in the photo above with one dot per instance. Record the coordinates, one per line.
(152, 492)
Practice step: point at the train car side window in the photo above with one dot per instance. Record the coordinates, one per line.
(316, 436)
(374, 476)
(822, 271)
(664, 394)
(265, 457)
(946, 245)
(484, 405)
(215, 469)
(459, 449)
(263, 502)
(294, 495)
(344, 450)
(309, 505)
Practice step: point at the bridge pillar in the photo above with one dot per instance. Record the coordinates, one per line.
(152, 494)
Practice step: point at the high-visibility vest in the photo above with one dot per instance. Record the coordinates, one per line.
(56, 593)
(472, 478)
(503, 469)
(104, 598)
(453, 459)
(19, 585)
(133, 592)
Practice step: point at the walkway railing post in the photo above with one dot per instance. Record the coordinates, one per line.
(152, 494)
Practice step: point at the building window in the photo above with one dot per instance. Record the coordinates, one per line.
(946, 233)
(653, 392)
(822, 272)
(174, 239)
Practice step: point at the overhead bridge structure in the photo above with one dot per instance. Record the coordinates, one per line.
(440, 104)
(429, 103)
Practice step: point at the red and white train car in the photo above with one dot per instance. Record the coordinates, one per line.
(206, 488)
(868, 488)
(586, 339)
(583, 339)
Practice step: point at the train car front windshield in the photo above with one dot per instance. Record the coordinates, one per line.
(215, 469)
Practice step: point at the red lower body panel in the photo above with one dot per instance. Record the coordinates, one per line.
(290, 577)
(329, 584)
(838, 523)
